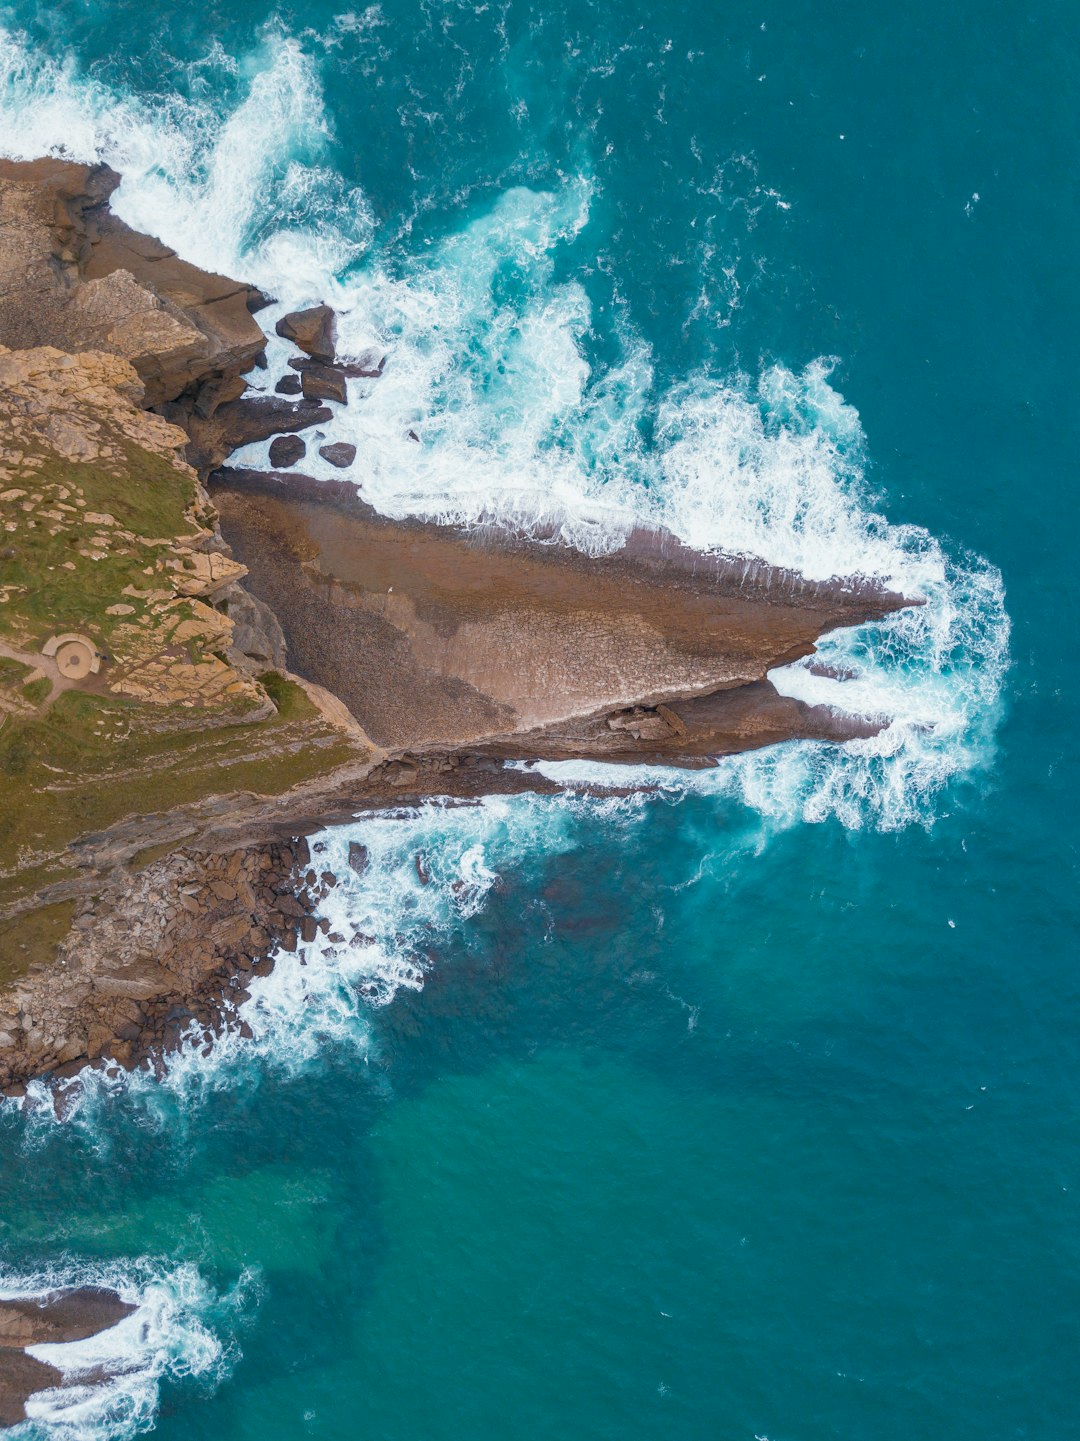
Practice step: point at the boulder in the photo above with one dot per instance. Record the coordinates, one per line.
(324, 382)
(340, 453)
(286, 450)
(288, 385)
(358, 857)
(240, 422)
(310, 330)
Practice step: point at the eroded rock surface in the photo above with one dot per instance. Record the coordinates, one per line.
(73, 275)
(49, 1318)
(168, 947)
(437, 637)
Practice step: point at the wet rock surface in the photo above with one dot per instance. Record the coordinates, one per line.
(240, 422)
(51, 1317)
(313, 330)
(339, 454)
(488, 639)
(286, 450)
(324, 382)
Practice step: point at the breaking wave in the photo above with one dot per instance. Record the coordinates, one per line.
(181, 1331)
(490, 404)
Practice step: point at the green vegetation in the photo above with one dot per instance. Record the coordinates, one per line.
(90, 538)
(26, 940)
(37, 690)
(92, 760)
(11, 672)
(59, 585)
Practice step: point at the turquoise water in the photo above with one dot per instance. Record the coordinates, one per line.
(746, 1110)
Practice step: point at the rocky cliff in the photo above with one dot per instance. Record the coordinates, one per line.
(268, 656)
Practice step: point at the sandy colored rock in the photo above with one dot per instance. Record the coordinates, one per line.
(75, 276)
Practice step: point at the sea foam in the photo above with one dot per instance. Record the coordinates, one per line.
(181, 1331)
(489, 406)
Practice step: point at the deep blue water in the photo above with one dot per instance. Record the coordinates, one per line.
(744, 1112)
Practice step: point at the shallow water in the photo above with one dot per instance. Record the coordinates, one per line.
(748, 1108)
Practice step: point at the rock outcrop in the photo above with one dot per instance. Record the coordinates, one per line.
(423, 657)
(443, 638)
(168, 947)
(71, 425)
(74, 276)
(52, 1317)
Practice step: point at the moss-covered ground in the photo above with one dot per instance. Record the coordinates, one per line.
(77, 542)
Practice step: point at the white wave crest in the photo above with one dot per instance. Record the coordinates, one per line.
(112, 1381)
(489, 404)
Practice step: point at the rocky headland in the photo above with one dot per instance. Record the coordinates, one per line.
(271, 655)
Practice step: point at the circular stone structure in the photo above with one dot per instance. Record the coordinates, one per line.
(75, 655)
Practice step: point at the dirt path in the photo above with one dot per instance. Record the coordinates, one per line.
(48, 668)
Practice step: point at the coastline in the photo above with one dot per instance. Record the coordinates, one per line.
(428, 658)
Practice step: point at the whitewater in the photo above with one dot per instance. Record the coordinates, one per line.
(494, 402)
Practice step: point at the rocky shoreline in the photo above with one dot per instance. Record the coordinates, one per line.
(182, 938)
(48, 1318)
(436, 655)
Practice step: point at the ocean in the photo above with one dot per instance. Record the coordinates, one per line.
(743, 1109)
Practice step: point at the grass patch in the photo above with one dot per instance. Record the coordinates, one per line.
(90, 761)
(37, 690)
(59, 587)
(11, 672)
(290, 699)
(29, 939)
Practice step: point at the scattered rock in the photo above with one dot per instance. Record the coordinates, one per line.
(240, 422)
(324, 382)
(311, 330)
(286, 450)
(340, 453)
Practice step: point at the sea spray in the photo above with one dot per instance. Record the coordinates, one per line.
(494, 402)
(182, 1330)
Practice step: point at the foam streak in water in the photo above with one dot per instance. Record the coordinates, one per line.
(488, 405)
(180, 1330)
